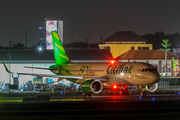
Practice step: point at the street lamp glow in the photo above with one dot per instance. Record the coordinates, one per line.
(40, 49)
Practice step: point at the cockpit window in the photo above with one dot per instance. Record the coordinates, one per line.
(151, 69)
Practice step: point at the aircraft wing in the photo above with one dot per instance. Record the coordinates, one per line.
(54, 76)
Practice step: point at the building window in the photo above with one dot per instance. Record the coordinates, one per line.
(132, 48)
(156, 67)
(139, 48)
(145, 48)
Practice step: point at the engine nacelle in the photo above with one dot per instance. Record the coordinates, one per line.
(92, 86)
(152, 87)
(149, 88)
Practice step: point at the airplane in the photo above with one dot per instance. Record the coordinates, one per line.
(94, 77)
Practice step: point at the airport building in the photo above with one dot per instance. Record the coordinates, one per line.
(123, 41)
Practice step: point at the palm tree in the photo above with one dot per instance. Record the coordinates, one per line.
(165, 44)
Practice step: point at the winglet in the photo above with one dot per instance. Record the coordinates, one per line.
(6, 67)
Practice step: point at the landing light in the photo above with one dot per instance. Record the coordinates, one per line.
(122, 74)
(114, 86)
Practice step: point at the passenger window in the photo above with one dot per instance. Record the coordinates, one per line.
(143, 70)
(146, 70)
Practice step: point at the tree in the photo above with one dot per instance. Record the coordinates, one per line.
(155, 38)
(165, 44)
(18, 46)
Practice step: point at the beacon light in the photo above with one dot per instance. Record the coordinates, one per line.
(112, 61)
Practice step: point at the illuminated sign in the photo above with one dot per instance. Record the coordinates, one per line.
(50, 26)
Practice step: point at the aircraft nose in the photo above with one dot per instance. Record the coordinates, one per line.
(155, 77)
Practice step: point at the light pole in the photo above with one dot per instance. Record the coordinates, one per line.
(9, 54)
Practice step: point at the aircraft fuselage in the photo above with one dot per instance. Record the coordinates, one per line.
(122, 73)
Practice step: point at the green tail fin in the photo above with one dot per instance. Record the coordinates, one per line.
(59, 52)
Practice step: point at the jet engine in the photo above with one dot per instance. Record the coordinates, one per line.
(149, 88)
(92, 86)
(152, 87)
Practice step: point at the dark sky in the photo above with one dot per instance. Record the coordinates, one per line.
(100, 18)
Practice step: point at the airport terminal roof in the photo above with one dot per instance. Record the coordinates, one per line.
(146, 55)
(125, 36)
(73, 54)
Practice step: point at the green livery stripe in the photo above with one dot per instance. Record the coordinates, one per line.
(65, 57)
(59, 52)
(60, 47)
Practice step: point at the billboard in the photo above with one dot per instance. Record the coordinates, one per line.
(53, 25)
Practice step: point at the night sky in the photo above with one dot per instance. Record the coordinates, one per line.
(100, 18)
